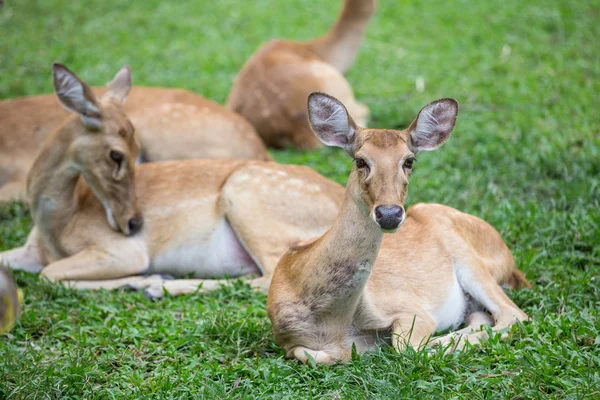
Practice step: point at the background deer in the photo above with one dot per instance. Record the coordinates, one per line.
(172, 124)
(10, 301)
(272, 87)
(355, 286)
(207, 218)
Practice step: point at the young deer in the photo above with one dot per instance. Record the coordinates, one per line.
(443, 268)
(207, 218)
(272, 88)
(172, 124)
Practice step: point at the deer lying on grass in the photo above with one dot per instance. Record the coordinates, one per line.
(207, 218)
(172, 124)
(355, 286)
(272, 88)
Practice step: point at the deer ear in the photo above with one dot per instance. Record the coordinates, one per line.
(331, 122)
(76, 96)
(119, 87)
(433, 125)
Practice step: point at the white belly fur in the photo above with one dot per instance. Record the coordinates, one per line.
(221, 255)
(452, 312)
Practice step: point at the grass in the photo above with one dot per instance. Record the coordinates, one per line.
(525, 156)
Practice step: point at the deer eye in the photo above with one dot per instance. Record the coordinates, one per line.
(408, 163)
(116, 156)
(362, 164)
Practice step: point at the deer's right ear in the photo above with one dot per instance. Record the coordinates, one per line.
(119, 87)
(76, 96)
(331, 122)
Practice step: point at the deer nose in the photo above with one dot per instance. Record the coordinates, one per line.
(389, 217)
(135, 224)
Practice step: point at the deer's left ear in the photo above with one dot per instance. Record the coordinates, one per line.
(433, 125)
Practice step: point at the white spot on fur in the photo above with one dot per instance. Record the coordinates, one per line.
(239, 178)
(295, 182)
(312, 188)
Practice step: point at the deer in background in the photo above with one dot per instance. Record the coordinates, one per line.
(11, 298)
(205, 218)
(172, 124)
(273, 85)
(355, 286)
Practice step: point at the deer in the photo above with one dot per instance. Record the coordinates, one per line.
(172, 124)
(11, 298)
(356, 287)
(103, 222)
(271, 89)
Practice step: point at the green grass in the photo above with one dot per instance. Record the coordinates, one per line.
(525, 156)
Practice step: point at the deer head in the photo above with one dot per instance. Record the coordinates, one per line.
(383, 159)
(104, 147)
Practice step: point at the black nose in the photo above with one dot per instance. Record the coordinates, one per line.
(389, 217)
(135, 224)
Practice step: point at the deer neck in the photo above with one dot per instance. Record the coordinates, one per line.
(344, 258)
(51, 186)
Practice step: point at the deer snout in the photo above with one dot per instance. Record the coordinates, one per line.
(134, 225)
(389, 218)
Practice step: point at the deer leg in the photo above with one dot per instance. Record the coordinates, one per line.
(412, 330)
(178, 287)
(26, 258)
(475, 280)
(98, 264)
(130, 282)
(303, 354)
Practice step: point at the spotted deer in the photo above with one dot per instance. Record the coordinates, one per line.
(103, 222)
(172, 124)
(356, 286)
(272, 87)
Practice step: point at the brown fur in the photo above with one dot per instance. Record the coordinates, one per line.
(76, 190)
(355, 286)
(172, 124)
(272, 87)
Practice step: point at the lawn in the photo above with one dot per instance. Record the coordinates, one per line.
(525, 156)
